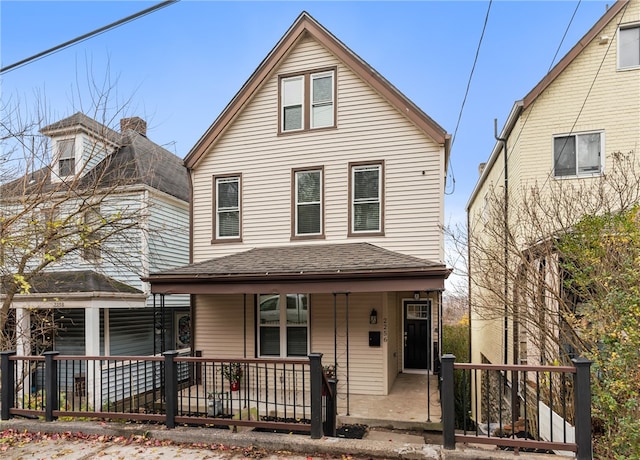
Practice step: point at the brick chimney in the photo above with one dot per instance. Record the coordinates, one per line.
(135, 123)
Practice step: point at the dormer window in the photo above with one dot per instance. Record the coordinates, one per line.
(307, 101)
(66, 158)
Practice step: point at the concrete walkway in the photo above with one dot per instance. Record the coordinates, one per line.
(389, 445)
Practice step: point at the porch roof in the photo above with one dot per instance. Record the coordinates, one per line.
(352, 267)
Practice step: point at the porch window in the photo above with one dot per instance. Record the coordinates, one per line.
(577, 154)
(283, 331)
(308, 203)
(227, 208)
(366, 198)
(629, 47)
(66, 158)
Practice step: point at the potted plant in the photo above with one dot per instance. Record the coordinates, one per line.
(233, 373)
(329, 373)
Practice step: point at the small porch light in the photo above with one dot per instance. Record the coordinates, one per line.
(373, 317)
(416, 295)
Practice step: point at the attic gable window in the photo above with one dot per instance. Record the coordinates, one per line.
(227, 215)
(629, 47)
(66, 158)
(307, 101)
(577, 154)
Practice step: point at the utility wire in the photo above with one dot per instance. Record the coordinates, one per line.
(466, 93)
(86, 36)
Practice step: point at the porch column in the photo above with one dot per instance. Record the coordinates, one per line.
(23, 332)
(92, 348)
(23, 347)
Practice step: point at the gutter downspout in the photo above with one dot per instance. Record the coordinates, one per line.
(506, 238)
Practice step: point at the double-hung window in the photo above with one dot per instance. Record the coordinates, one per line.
(283, 325)
(66, 158)
(227, 208)
(366, 194)
(308, 202)
(577, 154)
(629, 47)
(307, 101)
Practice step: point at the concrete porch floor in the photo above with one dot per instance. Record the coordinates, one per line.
(410, 405)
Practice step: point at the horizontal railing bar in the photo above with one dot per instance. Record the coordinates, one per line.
(516, 367)
(253, 423)
(26, 358)
(107, 358)
(193, 359)
(17, 411)
(522, 443)
(111, 415)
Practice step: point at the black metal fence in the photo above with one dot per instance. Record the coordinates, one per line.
(291, 395)
(535, 408)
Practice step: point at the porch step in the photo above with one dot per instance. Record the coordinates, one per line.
(409, 425)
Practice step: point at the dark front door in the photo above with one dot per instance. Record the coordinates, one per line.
(417, 334)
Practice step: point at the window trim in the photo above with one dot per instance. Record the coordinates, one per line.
(282, 326)
(635, 25)
(307, 101)
(59, 157)
(352, 166)
(294, 204)
(93, 254)
(214, 204)
(577, 173)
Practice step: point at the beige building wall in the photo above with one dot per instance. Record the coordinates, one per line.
(590, 95)
(368, 129)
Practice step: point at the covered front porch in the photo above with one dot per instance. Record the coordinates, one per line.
(375, 316)
(412, 404)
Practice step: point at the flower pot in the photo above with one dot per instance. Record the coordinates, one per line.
(235, 386)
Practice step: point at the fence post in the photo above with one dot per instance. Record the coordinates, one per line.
(447, 396)
(50, 385)
(8, 384)
(315, 365)
(582, 400)
(171, 387)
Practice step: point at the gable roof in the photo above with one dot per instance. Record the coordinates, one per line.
(136, 161)
(530, 98)
(77, 282)
(318, 268)
(306, 25)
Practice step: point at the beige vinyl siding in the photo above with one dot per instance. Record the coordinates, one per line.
(368, 129)
(590, 95)
(219, 321)
(391, 320)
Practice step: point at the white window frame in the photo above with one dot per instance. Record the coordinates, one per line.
(319, 202)
(378, 200)
(91, 217)
(577, 172)
(282, 325)
(329, 103)
(67, 154)
(218, 210)
(635, 26)
(283, 81)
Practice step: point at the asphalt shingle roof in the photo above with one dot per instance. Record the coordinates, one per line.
(78, 281)
(306, 259)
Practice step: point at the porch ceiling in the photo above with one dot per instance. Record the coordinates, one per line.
(353, 267)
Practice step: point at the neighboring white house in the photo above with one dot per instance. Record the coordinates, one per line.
(317, 215)
(94, 294)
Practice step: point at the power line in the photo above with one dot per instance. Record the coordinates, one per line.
(466, 93)
(86, 36)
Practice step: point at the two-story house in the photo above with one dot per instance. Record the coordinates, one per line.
(556, 158)
(317, 213)
(81, 232)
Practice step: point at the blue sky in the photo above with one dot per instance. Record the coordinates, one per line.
(178, 67)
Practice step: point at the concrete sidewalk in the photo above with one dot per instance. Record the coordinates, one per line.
(388, 445)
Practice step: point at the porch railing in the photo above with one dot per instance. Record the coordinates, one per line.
(291, 395)
(539, 408)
